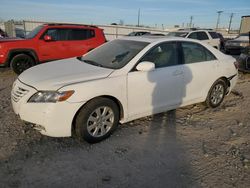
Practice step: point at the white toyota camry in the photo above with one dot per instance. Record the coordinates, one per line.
(120, 81)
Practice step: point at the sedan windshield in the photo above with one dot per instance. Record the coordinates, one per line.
(34, 32)
(114, 54)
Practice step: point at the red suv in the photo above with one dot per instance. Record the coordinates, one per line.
(49, 42)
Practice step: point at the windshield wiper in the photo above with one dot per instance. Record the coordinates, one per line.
(92, 62)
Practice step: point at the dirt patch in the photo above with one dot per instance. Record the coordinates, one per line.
(190, 147)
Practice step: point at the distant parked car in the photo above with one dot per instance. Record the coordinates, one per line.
(155, 34)
(49, 42)
(120, 81)
(238, 44)
(138, 33)
(244, 60)
(222, 41)
(207, 36)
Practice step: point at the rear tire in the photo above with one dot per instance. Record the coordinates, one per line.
(21, 62)
(97, 120)
(216, 94)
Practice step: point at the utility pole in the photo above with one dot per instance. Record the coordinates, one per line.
(218, 18)
(191, 19)
(230, 22)
(139, 15)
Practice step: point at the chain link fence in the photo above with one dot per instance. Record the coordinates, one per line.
(21, 28)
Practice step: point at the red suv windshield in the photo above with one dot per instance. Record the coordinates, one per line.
(34, 32)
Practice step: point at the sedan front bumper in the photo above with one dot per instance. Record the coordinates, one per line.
(51, 119)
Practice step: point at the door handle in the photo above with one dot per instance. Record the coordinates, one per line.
(177, 72)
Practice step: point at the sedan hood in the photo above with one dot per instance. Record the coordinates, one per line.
(54, 75)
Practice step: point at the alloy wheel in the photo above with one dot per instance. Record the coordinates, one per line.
(100, 121)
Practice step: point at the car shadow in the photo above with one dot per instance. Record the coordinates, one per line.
(163, 133)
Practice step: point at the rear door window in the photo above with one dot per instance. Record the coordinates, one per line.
(214, 35)
(202, 36)
(193, 35)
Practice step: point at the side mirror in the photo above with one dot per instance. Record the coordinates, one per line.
(47, 38)
(145, 66)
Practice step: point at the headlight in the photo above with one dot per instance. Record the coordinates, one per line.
(244, 44)
(50, 96)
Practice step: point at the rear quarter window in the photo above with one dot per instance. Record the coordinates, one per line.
(214, 35)
(194, 53)
(81, 34)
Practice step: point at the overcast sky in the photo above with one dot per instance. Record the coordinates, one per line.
(167, 12)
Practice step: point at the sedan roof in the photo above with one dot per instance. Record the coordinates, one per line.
(152, 39)
(159, 39)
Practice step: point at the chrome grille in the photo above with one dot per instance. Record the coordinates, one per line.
(18, 93)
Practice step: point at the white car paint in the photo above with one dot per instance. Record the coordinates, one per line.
(211, 41)
(44, 77)
(139, 93)
(215, 42)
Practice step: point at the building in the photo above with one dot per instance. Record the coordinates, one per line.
(245, 24)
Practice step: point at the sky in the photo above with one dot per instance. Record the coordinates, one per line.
(166, 13)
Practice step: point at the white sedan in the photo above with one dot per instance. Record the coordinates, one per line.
(120, 81)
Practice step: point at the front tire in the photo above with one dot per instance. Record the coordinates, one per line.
(21, 62)
(97, 120)
(216, 94)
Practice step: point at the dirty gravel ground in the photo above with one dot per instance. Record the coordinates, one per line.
(190, 147)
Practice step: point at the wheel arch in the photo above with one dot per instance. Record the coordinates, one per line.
(228, 84)
(91, 49)
(117, 102)
(30, 52)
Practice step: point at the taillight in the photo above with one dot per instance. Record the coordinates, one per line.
(236, 64)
